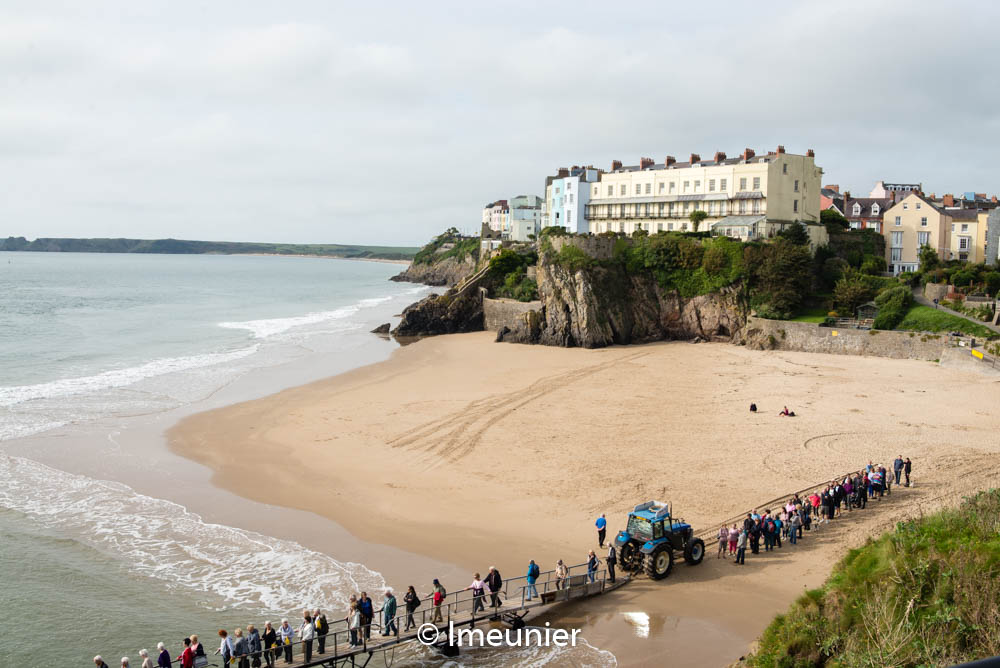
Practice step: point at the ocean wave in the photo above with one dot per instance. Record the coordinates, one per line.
(163, 540)
(64, 387)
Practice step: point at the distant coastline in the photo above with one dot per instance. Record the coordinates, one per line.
(191, 247)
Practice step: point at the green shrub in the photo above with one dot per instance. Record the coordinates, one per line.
(893, 304)
(873, 265)
(573, 258)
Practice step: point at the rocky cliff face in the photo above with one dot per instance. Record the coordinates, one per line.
(445, 272)
(600, 306)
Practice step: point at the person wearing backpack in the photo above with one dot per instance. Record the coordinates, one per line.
(439, 596)
(412, 602)
(531, 578)
(612, 560)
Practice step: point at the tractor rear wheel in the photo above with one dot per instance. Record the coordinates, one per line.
(660, 562)
(630, 557)
(694, 551)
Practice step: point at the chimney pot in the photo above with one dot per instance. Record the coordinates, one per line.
(948, 200)
(747, 154)
(810, 153)
(694, 158)
(669, 161)
(719, 157)
(781, 149)
(834, 187)
(646, 162)
(616, 164)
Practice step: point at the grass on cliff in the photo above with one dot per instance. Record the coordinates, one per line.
(925, 594)
(463, 246)
(926, 319)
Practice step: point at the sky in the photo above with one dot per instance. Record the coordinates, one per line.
(388, 122)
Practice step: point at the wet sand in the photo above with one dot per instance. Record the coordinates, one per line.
(477, 454)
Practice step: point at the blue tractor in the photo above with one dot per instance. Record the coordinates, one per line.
(651, 538)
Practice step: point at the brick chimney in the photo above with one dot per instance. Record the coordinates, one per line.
(994, 199)
(645, 162)
(781, 149)
(948, 200)
(694, 158)
(669, 161)
(719, 157)
(747, 154)
(563, 172)
(616, 164)
(810, 153)
(834, 187)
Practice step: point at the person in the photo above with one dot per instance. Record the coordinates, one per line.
(367, 614)
(146, 661)
(412, 602)
(253, 645)
(99, 662)
(287, 635)
(561, 573)
(723, 541)
(439, 596)
(322, 628)
(531, 578)
(778, 528)
(187, 656)
(794, 527)
(200, 660)
(125, 663)
(495, 583)
(163, 658)
(907, 465)
(897, 467)
(389, 627)
(591, 565)
(886, 479)
(755, 532)
(225, 647)
(240, 649)
(307, 632)
(354, 624)
(786, 413)
(753, 408)
(741, 548)
(477, 593)
(270, 642)
(734, 535)
(602, 526)
(612, 560)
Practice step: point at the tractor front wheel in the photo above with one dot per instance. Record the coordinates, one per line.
(630, 557)
(694, 551)
(660, 562)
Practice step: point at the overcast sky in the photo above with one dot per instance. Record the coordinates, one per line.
(332, 122)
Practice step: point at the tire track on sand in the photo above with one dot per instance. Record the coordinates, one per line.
(458, 433)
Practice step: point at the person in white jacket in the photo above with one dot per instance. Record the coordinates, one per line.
(306, 633)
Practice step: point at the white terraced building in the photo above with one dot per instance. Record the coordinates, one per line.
(748, 197)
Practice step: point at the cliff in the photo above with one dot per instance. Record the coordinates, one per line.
(600, 306)
(448, 271)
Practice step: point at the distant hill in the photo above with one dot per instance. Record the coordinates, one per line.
(185, 247)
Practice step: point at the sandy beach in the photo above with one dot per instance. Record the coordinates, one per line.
(477, 453)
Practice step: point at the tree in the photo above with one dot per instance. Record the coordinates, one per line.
(873, 265)
(781, 275)
(696, 217)
(929, 259)
(852, 290)
(795, 233)
(833, 220)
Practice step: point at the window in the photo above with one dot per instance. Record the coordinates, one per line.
(671, 209)
(756, 206)
(897, 254)
(953, 227)
(638, 188)
(569, 216)
(611, 191)
(875, 209)
(623, 190)
(661, 187)
(905, 206)
(649, 188)
(965, 227)
(670, 227)
(743, 206)
(697, 186)
(687, 184)
(795, 205)
(963, 243)
(570, 198)
(756, 183)
(557, 190)
(796, 185)
(899, 221)
(743, 184)
(711, 185)
(923, 222)
(856, 209)
(897, 239)
(722, 184)
(673, 185)
(923, 238)
(595, 191)
(569, 186)
(659, 226)
(684, 227)
(918, 205)
(784, 168)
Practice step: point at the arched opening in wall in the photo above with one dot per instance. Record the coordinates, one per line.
(722, 331)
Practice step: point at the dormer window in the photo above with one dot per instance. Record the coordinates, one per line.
(857, 209)
(875, 209)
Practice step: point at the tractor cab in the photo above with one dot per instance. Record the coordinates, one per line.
(652, 532)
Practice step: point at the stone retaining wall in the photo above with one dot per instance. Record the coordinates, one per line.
(599, 248)
(500, 313)
(936, 291)
(764, 334)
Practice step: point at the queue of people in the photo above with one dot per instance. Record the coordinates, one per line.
(798, 515)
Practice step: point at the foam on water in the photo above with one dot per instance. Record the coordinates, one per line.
(584, 654)
(163, 540)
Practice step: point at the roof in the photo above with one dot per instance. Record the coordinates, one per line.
(866, 203)
(961, 214)
(739, 221)
(769, 157)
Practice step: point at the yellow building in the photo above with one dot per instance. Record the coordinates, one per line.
(966, 244)
(749, 196)
(911, 224)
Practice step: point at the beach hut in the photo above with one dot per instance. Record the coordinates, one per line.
(867, 311)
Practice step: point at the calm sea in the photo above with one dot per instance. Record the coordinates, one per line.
(90, 565)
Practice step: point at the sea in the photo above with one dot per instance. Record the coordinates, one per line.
(102, 550)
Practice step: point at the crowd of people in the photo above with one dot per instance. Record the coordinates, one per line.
(811, 512)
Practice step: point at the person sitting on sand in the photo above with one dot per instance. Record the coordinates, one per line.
(786, 413)
(753, 408)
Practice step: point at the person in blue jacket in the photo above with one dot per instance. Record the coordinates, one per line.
(602, 525)
(531, 577)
